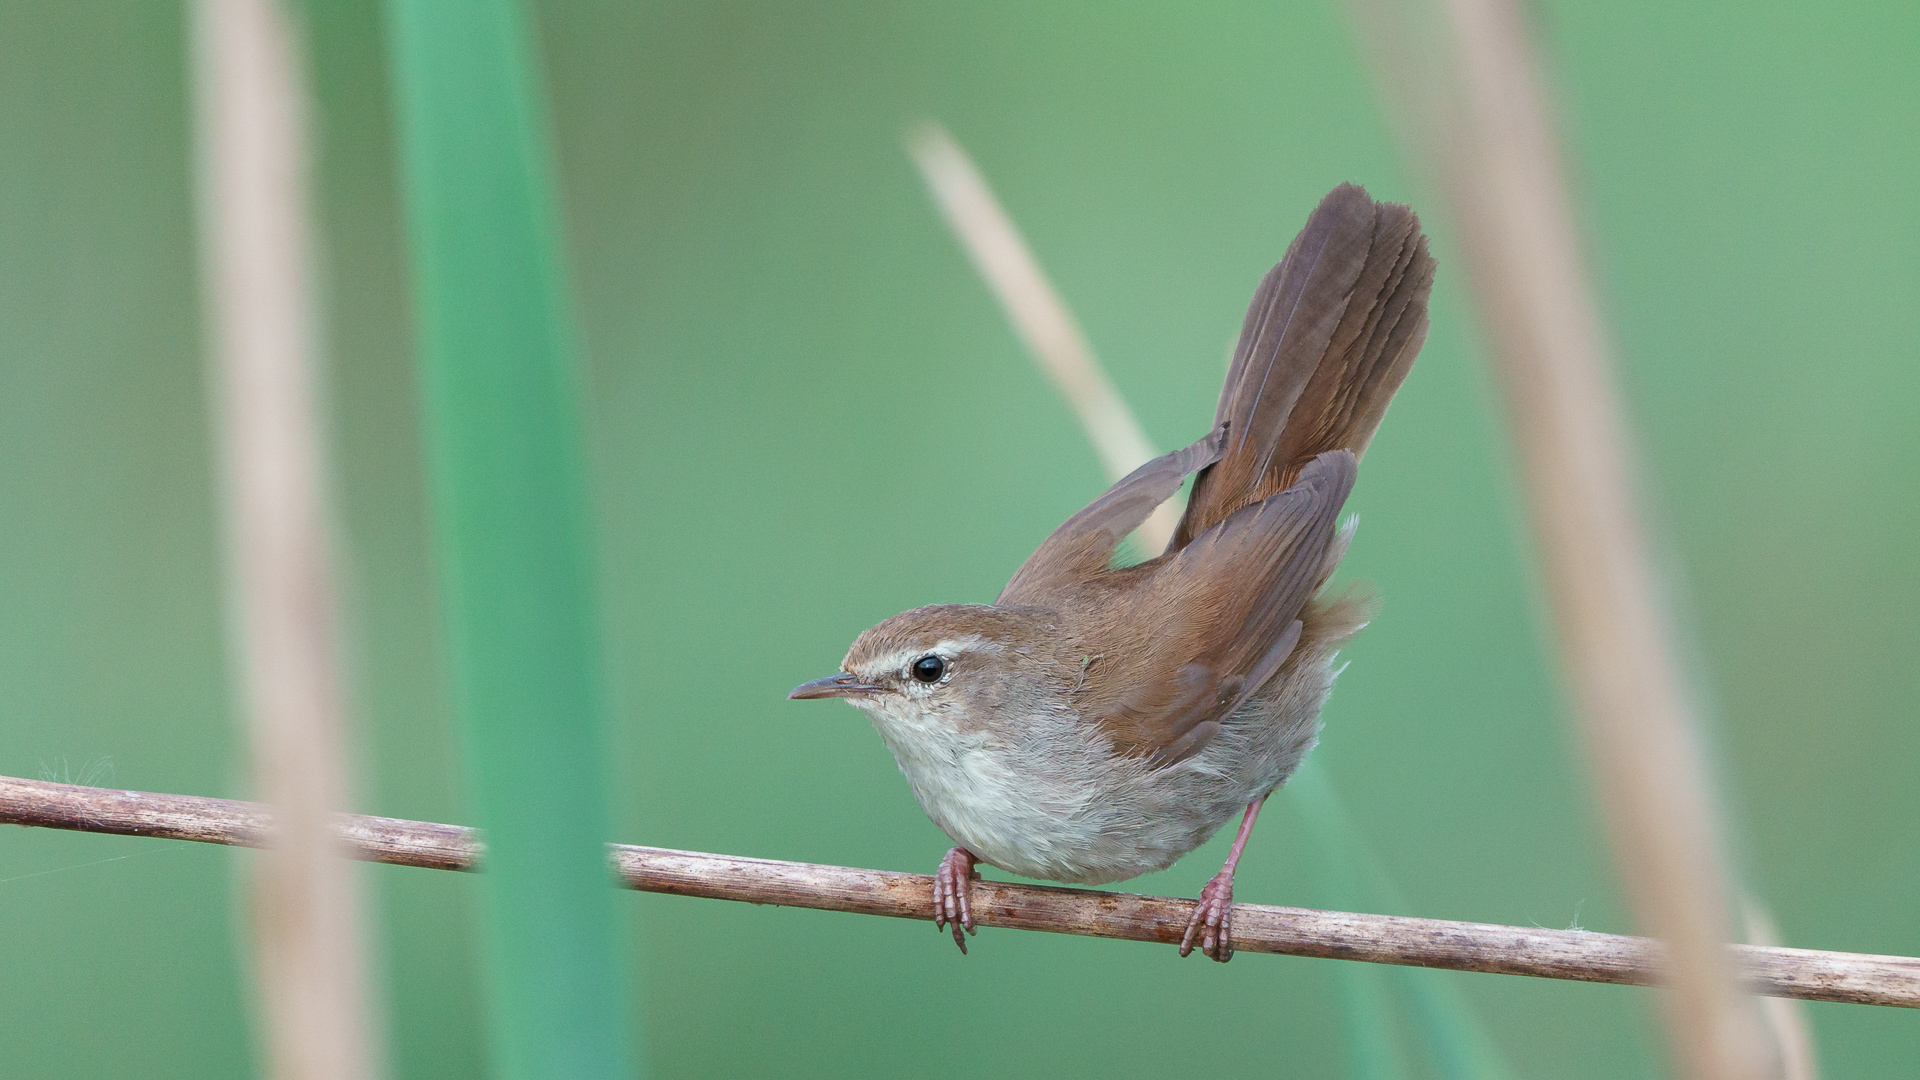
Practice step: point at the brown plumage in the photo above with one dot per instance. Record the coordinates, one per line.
(1330, 334)
(1096, 722)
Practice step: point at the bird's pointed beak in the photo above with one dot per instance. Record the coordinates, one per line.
(841, 685)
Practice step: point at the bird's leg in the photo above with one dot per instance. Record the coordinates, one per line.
(953, 894)
(1212, 917)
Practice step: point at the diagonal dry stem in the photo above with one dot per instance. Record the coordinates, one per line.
(1475, 113)
(1039, 316)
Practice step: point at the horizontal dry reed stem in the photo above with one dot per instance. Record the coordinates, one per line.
(1381, 939)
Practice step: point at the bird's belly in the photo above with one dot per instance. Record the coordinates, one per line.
(1039, 826)
(1064, 807)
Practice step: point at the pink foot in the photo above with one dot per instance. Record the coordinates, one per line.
(1212, 919)
(953, 894)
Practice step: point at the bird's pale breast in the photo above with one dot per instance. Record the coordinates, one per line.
(1045, 794)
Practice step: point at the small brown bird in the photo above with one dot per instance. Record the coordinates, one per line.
(1097, 722)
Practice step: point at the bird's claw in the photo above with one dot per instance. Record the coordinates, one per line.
(953, 895)
(1212, 920)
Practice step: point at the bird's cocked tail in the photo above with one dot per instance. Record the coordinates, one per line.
(1328, 339)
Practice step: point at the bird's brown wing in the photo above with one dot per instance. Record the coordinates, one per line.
(1083, 546)
(1230, 602)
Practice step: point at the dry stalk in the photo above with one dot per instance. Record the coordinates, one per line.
(257, 253)
(1786, 1021)
(1381, 939)
(1478, 116)
(1043, 321)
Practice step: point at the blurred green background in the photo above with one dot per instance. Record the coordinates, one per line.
(808, 414)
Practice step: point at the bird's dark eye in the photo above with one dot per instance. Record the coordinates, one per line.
(929, 668)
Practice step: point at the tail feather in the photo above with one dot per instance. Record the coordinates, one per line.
(1327, 341)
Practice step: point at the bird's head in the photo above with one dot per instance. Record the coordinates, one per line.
(950, 663)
